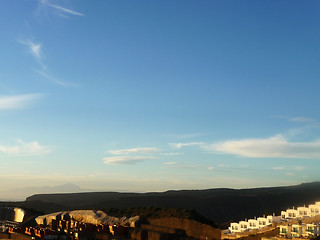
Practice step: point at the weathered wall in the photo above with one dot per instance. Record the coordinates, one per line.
(19, 236)
(272, 233)
(192, 228)
(139, 234)
(4, 235)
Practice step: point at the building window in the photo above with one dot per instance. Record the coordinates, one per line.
(310, 229)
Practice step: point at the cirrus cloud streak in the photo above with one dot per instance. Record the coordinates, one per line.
(61, 11)
(134, 150)
(17, 101)
(126, 159)
(25, 149)
(272, 147)
(66, 10)
(188, 144)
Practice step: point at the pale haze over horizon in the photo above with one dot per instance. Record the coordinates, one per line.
(158, 95)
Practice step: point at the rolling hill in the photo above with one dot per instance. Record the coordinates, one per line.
(221, 205)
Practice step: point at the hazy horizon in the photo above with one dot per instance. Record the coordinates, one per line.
(22, 193)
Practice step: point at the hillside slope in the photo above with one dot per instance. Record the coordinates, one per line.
(219, 205)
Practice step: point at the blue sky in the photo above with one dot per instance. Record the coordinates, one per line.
(158, 95)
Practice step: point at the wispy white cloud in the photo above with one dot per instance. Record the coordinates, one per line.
(53, 79)
(25, 149)
(131, 155)
(179, 165)
(17, 101)
(60, 10)
(66, 10)
(35, 49)
(189, 144)
(290, 174)
(171, 153)
(187, 135)
(170, 163)
(129, 160)
(299, 168)
(186, 165)
(306, 126)
(135, 150)
(301, 119)
(272, 147)
(278, 168)
(294, 168)
(296, 119)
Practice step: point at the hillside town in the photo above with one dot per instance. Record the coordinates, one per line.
(294, 223)
(301, 222)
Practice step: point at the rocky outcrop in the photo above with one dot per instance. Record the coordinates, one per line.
(87, 216)
(11, 214)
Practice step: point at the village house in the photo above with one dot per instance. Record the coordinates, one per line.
(313, 229)
(300, 230)
(297, 230)
(289, 213)
(314, 209)
(235, 227)
(273, 219)
(285, 230)
(262, 222)
(253, 224)
(303, 212)
(244, 225)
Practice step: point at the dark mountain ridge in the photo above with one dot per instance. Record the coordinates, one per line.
(220, 205)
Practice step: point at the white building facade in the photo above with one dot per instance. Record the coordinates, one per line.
(292, 213)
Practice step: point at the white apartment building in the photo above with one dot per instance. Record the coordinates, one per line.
(289, 213)
(285, 230)
(262, 221)
(253, 224)
(300, 230)
(312, 229)
(273, 219)
(292, 213)
(303, 211)
(244, 225)
(314, 209)
(297, 230)
(235, 227)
